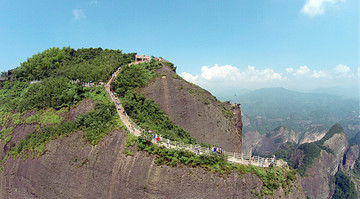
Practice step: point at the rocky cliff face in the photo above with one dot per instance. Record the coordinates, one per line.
(196, 110)
(350, 157)
(312, 136)
(269, 143)
(72, 168)
(317, 180)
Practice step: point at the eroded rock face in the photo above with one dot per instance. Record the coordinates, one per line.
(268, 144)
(250, 141)
(312, 136)
(196, 110)
(72, 168)
(338, 144)
(350, 157)
(316, 182)
(271, 142)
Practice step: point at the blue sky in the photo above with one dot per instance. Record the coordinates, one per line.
(220, 45)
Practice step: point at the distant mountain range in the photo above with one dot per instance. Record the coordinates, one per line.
(267, 108)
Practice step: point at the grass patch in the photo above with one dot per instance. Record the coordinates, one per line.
(96, 123)
(176, 76)
(5, 118)
(6, 132)
(96, 94)
(131, 140)
(128, 152)
(8, 139)
(47, 117)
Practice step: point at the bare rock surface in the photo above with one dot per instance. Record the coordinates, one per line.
(72, 168)
(312, 136)
(250, 141)
(83, 107)
(351, 155)
(271, 142)
(316, 182)
(196, 110)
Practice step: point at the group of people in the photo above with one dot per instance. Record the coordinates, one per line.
(156, 137)
(218, 150)
(264, 161)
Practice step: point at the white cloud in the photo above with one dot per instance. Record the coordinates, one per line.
(319, 74)
(342, 68)
(93, 2)
(263, 75)
(303, 70)
(289, 70)
(220, 72)
(317, 7)
(343, 71)
(228, 76)
(78, 14)
(220, 78)
(189, 77)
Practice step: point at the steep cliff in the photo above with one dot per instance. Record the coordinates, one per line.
(350, 157)
(72, 168)
(196, 110)
(318, 162)
(317, 180)
(269, 143)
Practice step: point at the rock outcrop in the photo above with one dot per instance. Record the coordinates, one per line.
(271, 142)
(72, 168)
(312, 136)
(317, 181)
(351, 155)
(196, 110)
(250, 141)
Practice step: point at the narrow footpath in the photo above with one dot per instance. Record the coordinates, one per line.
(230, 156)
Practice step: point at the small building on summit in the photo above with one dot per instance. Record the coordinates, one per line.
(141, 58)
(3, 79)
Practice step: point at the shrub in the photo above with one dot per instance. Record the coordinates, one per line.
(344, 187)
(7, 139)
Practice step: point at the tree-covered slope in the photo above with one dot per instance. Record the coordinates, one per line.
(55, 68)
(86, 64)
(54, 97)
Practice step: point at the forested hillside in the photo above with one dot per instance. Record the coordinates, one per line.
(55, 68)
(46, 104)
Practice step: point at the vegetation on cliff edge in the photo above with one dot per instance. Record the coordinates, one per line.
(143, 111)
(272, 177)
(344, 187)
